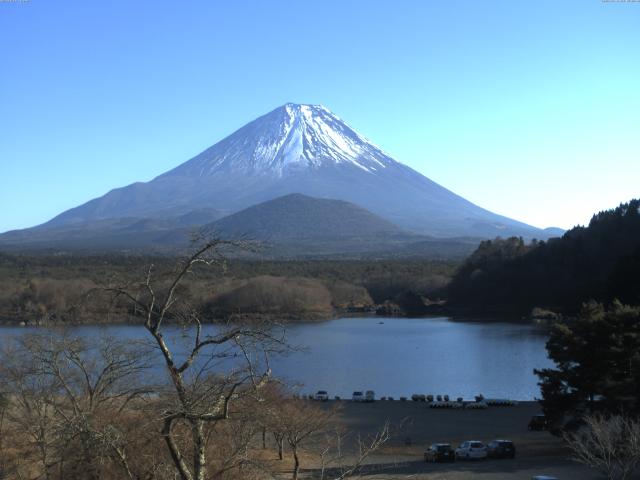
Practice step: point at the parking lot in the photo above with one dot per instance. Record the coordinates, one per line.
(416, 426)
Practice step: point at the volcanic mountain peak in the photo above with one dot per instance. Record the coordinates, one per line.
(293, 149)
(286, 140)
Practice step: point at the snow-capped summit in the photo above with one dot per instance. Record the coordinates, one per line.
(302, 149)
(289, 138)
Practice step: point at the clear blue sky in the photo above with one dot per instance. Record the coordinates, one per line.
(528, 108)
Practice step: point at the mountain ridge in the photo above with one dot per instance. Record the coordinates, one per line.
(294, 226)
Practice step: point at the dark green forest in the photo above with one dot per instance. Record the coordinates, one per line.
(597, 365)
(599, 262)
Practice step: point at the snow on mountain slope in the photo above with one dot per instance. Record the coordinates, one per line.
(290, 138)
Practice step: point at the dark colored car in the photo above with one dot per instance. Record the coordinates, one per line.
(501, 449)
(538, 422)
(440, 452)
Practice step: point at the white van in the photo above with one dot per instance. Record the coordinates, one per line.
(322, 396)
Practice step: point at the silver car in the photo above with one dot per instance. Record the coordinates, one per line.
(471, 449)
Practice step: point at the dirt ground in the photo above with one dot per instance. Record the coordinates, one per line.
(416, 426)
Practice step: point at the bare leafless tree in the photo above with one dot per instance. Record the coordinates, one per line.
(609, 444)
(345, 463)
(30, 397)
(299, 422)
(66, 396)
(211, 374)
(318, 430)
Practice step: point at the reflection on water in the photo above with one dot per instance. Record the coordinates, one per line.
(398, 356)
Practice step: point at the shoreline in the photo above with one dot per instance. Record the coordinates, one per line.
(456, 315)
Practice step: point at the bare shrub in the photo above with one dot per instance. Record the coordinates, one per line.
(348, 295)
(609, 444)
(40, 300)
(275, 296)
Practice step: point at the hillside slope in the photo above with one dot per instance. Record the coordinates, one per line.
(300, 217)
(599, 262)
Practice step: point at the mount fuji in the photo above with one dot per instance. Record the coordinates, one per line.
(303, 149)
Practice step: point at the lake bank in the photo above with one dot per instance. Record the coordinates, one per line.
(434, 310)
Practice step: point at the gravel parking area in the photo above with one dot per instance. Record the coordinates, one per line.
(416, 426)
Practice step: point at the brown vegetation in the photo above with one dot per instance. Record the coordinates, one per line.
(274, 296)
(85, 409)
(46, 290)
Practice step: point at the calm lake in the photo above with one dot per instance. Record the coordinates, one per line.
(399, 356)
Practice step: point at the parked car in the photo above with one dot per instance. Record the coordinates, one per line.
(369, 396)
(501, 449)
(476, 405)
(500, 402)
(440, 452)
(538, 422)
(357, 397)
(471, 449)
(321, 395)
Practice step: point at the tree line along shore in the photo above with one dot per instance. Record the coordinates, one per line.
(47, 289)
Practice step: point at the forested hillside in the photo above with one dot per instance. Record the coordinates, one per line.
(600, 262)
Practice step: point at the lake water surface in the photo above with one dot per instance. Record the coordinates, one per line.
(399, 356)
